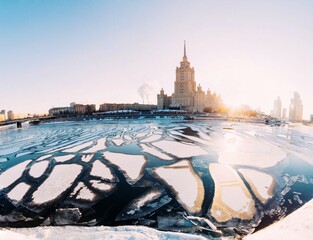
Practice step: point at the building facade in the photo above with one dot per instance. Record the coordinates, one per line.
(187, 95)
(296, 108)
(185, 85)
(108, 107)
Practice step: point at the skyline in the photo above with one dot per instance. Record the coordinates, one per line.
(54, 53)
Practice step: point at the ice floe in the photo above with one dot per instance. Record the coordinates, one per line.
(64, 158)
(151, 138)
(100, 145)
(60, 179)
(99, 169)
(82, 192)
(18, 192)
(78, 148)
(101, 186)
(231, 197)
(131, 165)
(44, 157)
(118, 141)
(155, 152)
(185, 183)
(262, 184)
(148, 202)
(86, 157)
(178, 149)
(38, 168)
(12, 174)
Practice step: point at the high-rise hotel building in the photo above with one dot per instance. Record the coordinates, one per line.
(187, 95)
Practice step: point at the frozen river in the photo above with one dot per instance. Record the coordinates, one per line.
(205, 177)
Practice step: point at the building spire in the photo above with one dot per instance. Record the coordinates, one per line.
(185, 55)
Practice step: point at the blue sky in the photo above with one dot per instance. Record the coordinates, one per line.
(53, 53)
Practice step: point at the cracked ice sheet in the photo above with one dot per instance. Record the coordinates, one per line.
(234, 149)
(98, 147)
(155, 152)
(262, 184)
(38, 169)
(132, 165)
(13, 173)
(60, 179)
(152, 138)
(231, 197)
(64, 158)
(180, 150)
(44, 157)
(87, 157)
(78, 148)
(185, 183)
(118, 141)
(17, 193)
(9, 150)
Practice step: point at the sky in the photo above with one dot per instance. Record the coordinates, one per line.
(56, 52)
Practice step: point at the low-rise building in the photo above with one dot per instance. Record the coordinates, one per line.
(106, 107)
(61, 111)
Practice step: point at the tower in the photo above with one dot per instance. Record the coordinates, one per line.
(185, 85)
(277, 108)
(296, 108)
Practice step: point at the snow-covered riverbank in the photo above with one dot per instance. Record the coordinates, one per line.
(297, 225)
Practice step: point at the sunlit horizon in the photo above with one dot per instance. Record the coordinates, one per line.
(92, 52)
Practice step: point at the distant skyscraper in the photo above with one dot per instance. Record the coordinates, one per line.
(284, 113)
(296, 108)
(311, 118)
(277, 108)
